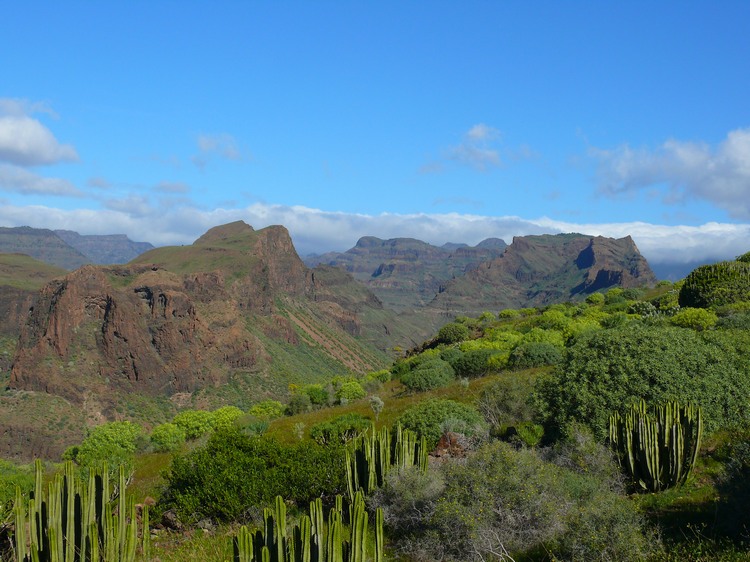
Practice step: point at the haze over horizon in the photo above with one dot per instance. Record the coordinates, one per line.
(440, 121)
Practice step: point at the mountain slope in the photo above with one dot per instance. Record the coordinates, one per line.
(406, 273)
(41, 244)
(233, 318)
(539, 270)
(104, 249)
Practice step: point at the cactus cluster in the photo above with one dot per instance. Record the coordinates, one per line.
(657, 448)
(71, 520)
(341, 539)
(376, 452)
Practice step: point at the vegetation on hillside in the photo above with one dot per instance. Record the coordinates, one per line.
(517, 406)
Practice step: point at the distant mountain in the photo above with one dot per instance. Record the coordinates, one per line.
(105, 249)
(544, 269)
(676, 271)
(68, 249)
(41, 244)
(406, 273)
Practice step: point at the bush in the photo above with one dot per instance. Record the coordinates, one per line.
(428, 375)
(112, 442)
(472, 363)
(428, 418)
(298, 404)
(341, 429)
(694, 318)
(12, 475)
(167, 437)
(507, 401)
(609, 370)
(318, 395)
(595, 299)
(716, 285)
(234, 472)
(350, 390)
(534, 354)
(452, 333)
(225, 417)
(267, 410)
(502, 499)
(195, 423)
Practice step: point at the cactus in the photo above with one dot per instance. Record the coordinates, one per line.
(658, 449)
(376, 452)
(72, 522)
(310, 540)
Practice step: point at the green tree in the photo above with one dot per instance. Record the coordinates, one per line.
(225, 417)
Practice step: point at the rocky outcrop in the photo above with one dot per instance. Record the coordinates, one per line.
(176, 320)
(539, 270)
(405, 273)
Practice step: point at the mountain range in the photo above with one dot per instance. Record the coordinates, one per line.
(237, 317)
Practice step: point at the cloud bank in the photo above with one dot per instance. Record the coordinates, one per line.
(317, 231)
(719, 175)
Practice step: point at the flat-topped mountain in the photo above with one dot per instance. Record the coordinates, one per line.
(67, 249)
(41, 244)
(104, 249)
(406, 273)
(544, 269)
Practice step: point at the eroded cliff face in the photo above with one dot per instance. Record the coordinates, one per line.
(176, 320)
(540, 270)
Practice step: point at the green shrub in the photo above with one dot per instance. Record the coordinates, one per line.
(112, 442)
(12, 475)
(507, 401)
(427, 419)
(595, 299)
(341, 429)
(472, 363)
(318, 394)
(298, 404)
(350, 390)
(428, 375)
(534, 354)
(267, 410)
(507, 500)
(716, 285)
(195, 423)
(167, 437)
(452, 333)
(234, 472)
(609, 370)
(695, 318)
(225, 417)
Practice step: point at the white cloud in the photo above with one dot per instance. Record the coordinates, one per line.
(720, 175)
(222, 145)
(19, 180)
(316, 231)
(26, 142)
(478, 149)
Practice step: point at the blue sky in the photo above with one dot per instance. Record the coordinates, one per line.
(445, 121)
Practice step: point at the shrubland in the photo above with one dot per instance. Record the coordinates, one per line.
(529, 393)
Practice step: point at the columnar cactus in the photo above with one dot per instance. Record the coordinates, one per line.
(312, 540)
(376, 452)
(658, 449)
(72, 522)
